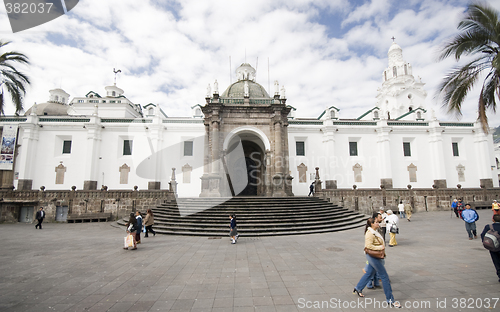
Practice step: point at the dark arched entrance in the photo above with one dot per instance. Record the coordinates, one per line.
(247, 170)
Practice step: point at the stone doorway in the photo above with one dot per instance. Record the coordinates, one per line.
(248, 170)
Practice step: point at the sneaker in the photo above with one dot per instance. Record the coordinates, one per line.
(470, 238)
(475, 236)
(233, 241)
(138, 242)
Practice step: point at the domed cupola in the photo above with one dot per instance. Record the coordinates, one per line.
(57, 105)
(245, 87)
(113, 91)
(397, 66)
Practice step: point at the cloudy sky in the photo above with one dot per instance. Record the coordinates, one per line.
(325, 52)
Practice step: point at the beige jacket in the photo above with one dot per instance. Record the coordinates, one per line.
(373, 240)
(149, 220)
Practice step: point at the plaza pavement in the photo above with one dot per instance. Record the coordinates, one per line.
(82, 267)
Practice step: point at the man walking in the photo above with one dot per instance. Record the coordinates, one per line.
(454, 205)
(401, 208)
(408, 211)
(470, 217)
(495, 256)
(40, 215)
(311, 189)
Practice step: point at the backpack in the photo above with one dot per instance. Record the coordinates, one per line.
(491, 240)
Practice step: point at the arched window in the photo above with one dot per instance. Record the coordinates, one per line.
(385, 76)
(388, 115)
(406, 70)
(57, 98)
(197, 112)
(394, 71)
(332, 113)
(114, 93)
(410, 109)
(63, 100)
(375, 114)
(151, 111)
(419, 115)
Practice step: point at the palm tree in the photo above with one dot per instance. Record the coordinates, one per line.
(479, 36)
(12, 80)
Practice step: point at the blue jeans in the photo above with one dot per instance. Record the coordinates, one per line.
(373, 282)
(402, 215)
(376, 266)
(471, 229)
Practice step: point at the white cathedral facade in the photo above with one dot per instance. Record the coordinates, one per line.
(107, 140)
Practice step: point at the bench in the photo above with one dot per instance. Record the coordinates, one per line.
(89, 217)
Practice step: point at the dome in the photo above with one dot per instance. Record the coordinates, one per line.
(49, 109)
(237, 90)
(395, 54)
(246, 77)
(395, 46)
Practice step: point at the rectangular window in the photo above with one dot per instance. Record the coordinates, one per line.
(406, 149)
(353, 148)
(454, 145)
(300, 148)
(127, 147)
(188, 148)
(66, 147)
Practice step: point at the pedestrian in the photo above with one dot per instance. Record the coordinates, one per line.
(148, 222)
(496, 211)
(138, 216)
(131, 229)
(495, 256)
(234, 231)
(460, 207)
(408, 211)
(401, 208)
(40, 215)
(470, 217)
(383, 228)
(495, 205)
(375, 243)
(311, 189)
(454, 205)
(392, 227)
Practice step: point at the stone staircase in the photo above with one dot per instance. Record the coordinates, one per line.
(256, 216)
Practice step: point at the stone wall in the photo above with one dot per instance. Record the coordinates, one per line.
(119, 203)
(368, 200)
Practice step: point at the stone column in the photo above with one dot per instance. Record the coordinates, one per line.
(484, 157)
(437, 155)
(156, 140)
(92, 155)
(278, 155)
(269, 174)
(384, 154)
(329, 148)
(27, 154)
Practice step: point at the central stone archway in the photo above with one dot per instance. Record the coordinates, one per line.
(248, 171)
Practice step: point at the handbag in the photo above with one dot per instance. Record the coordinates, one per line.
(379, 254)
(128, 241)
(394, 228)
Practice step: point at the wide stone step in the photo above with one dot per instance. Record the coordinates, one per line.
(256, 216)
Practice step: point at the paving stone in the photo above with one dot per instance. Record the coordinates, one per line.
(82, 267)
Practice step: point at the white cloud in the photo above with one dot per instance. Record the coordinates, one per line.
(169, 57)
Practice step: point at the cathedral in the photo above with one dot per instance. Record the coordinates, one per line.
(245, 141)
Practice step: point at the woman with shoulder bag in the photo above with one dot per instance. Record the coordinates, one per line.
(375, 254)
(132, 229)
